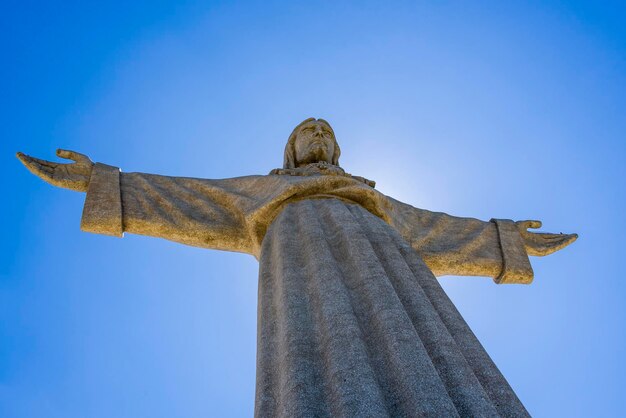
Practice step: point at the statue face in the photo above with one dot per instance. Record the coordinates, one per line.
(314, 143)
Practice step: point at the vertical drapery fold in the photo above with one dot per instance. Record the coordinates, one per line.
(352, 323)
(461, 384)
(495, 385)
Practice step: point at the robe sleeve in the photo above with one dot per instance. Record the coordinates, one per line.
(198, 212)
(452, 245)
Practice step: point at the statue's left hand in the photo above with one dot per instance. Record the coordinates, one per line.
(540, 243)
(73, 176)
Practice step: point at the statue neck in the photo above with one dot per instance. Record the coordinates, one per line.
(319, 169)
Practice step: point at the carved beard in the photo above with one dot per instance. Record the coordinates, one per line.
(316, 152)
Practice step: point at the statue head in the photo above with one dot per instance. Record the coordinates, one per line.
(312, 141)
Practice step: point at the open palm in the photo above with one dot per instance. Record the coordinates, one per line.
(541, 243)
(73, 176)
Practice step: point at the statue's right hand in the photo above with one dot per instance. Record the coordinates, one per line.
(73, 176)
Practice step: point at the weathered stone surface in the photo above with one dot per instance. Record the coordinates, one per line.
(352, 321)
(102, 213)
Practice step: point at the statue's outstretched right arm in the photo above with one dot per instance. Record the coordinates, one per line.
(198, 212)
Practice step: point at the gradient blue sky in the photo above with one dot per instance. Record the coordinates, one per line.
(494, 109)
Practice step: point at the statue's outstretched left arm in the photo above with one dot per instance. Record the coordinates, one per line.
(453, 245)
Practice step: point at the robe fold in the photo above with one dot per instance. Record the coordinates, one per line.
(352, 321)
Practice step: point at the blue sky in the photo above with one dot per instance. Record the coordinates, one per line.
(490, 109)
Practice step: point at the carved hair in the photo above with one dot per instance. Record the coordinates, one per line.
(290, 148)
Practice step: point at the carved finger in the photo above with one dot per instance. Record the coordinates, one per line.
(550, 243)
(40, 168)
(73, 155)
(552, 246)
(23, 157)
(545, 237)
(45, 164)
(529, 224)
(567, 239)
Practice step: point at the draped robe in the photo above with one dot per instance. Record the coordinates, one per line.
(351, 319)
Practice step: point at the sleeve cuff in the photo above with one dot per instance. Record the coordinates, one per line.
(516, 266)
(102, 213)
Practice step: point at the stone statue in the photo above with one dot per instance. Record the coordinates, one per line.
(351, 319)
